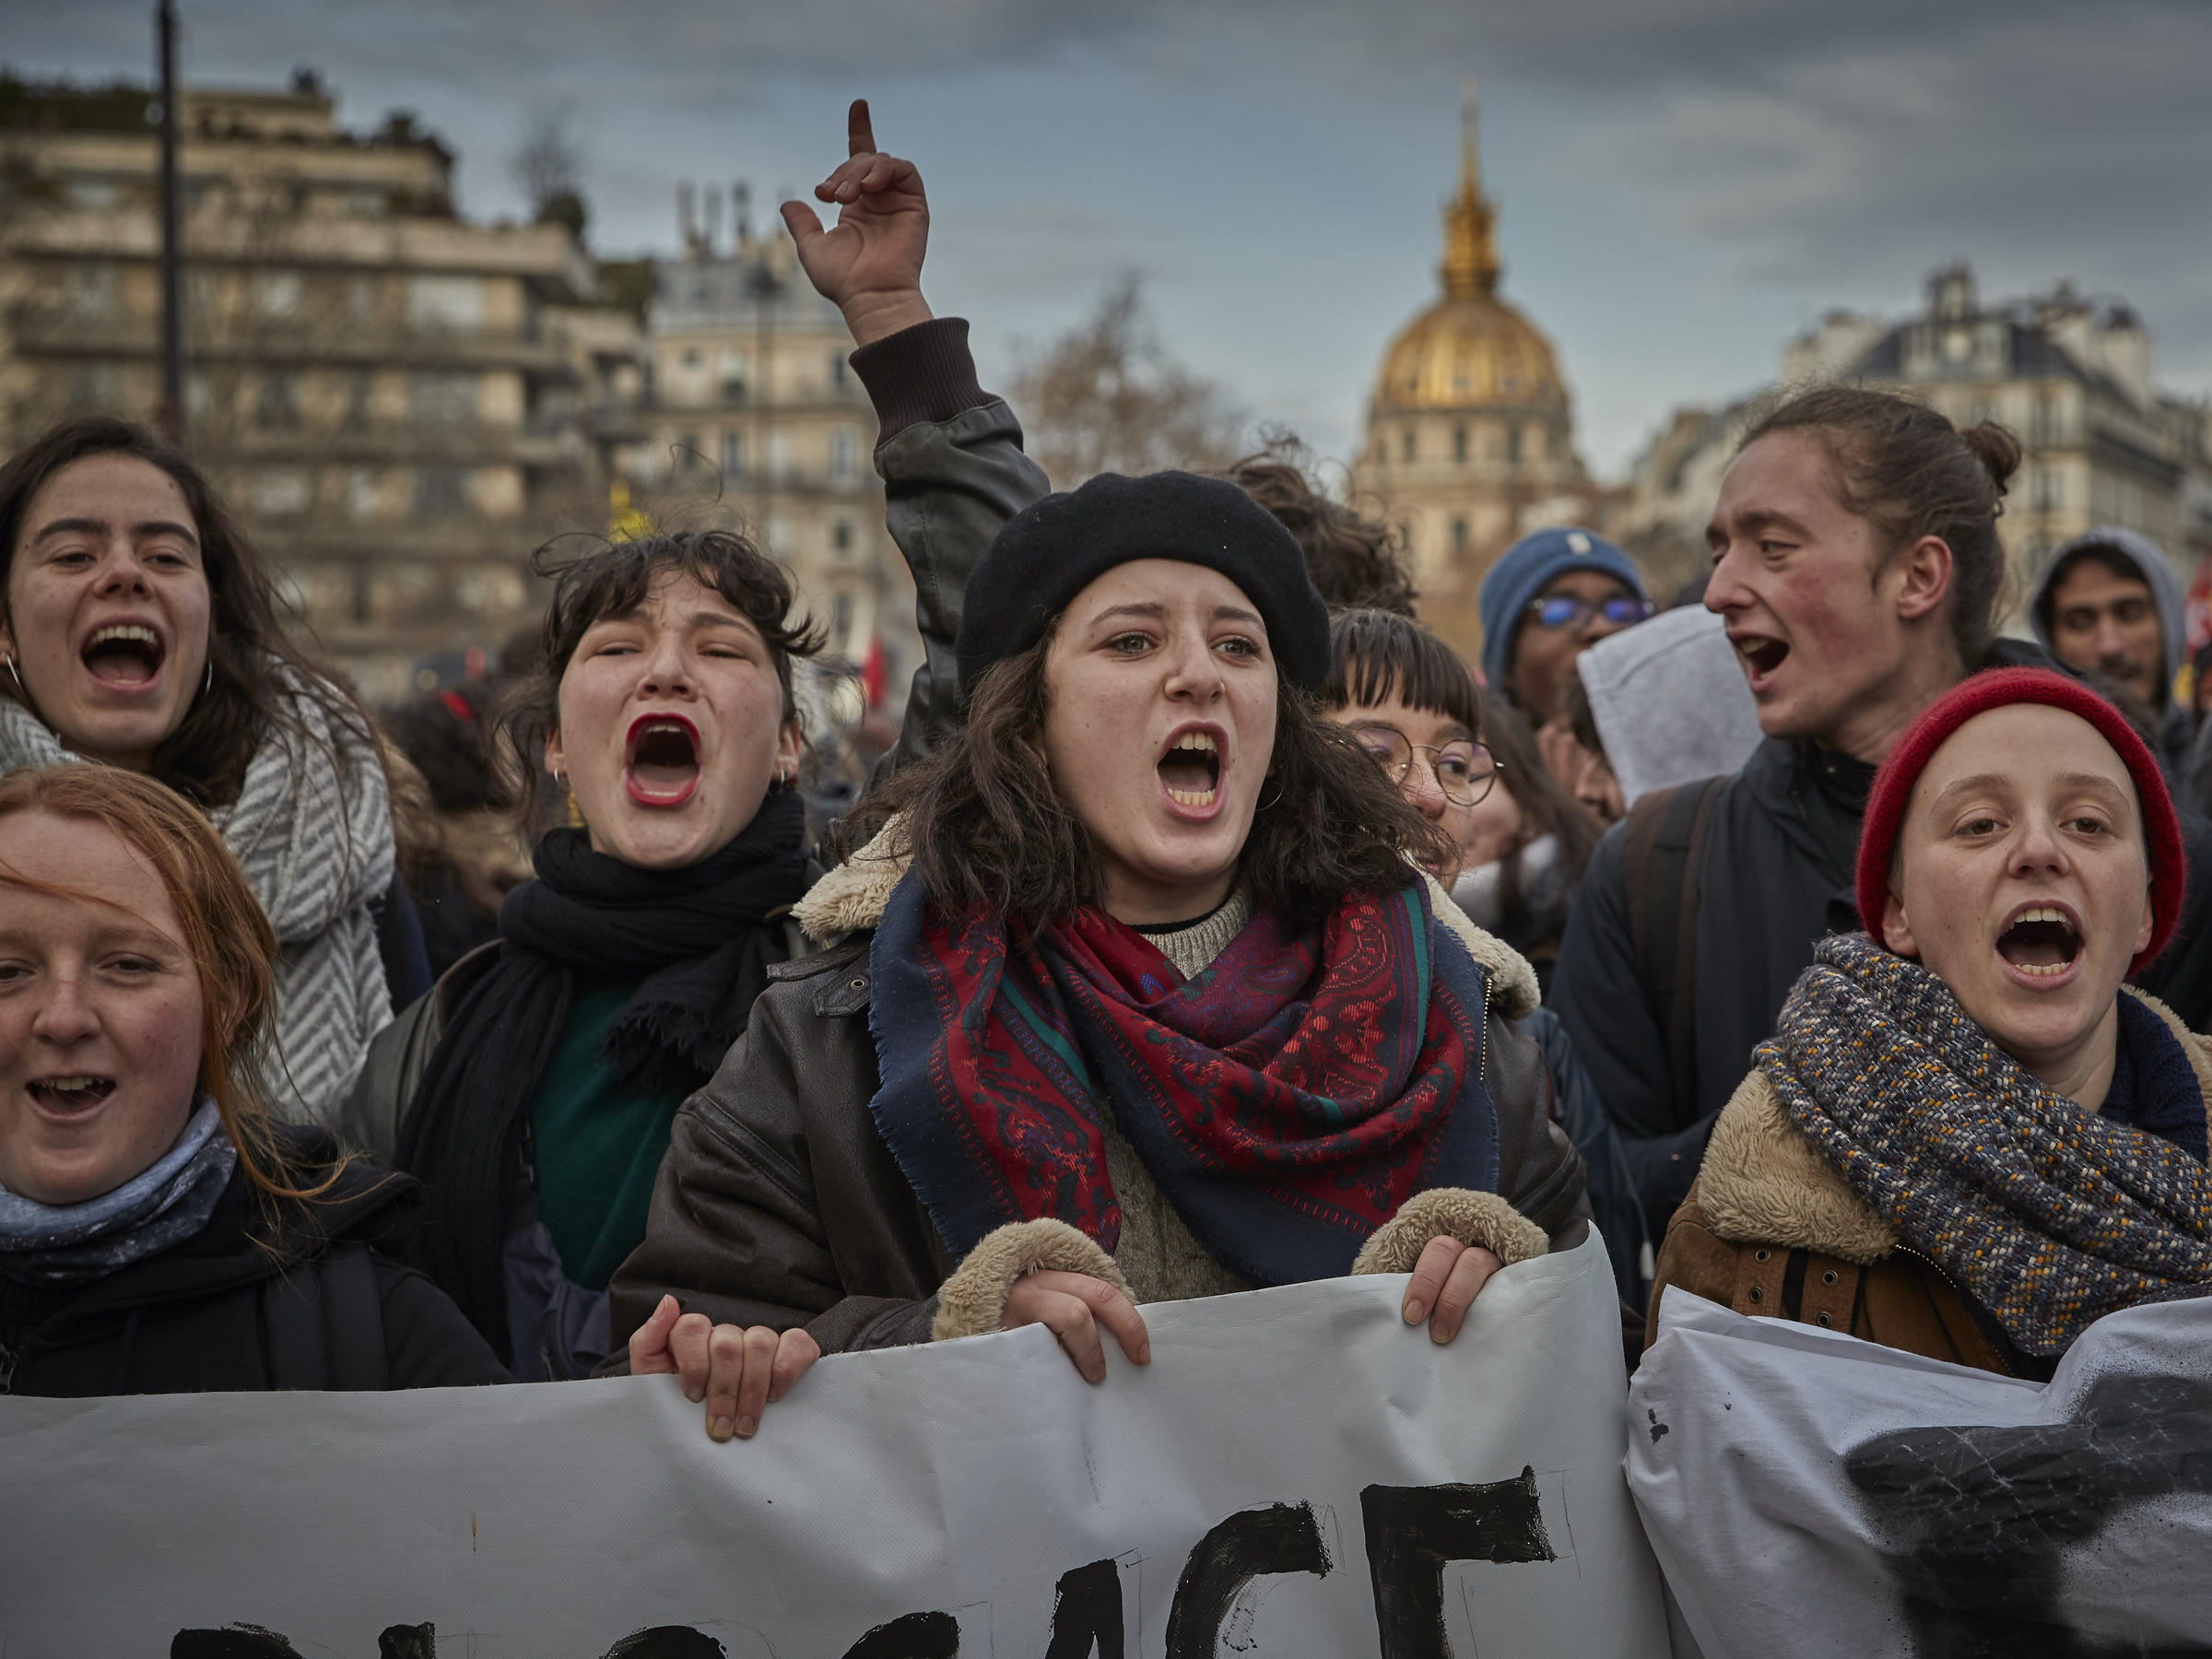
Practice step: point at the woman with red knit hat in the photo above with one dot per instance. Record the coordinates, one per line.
(1966, 1139)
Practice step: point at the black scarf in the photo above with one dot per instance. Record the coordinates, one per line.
(697, 937)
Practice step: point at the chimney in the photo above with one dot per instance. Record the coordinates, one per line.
(712, 234)
(741, 214)
(686, 218)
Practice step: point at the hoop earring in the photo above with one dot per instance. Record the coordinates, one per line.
(207, 679)
(1264, 805)
(16, 674)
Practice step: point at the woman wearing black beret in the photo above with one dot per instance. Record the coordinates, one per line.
(1138, 991)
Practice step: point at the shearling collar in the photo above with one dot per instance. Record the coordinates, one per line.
(1764, 1182)
(853, 897)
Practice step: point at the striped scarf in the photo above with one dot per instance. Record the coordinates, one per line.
(2051, 1216)
(312, 829)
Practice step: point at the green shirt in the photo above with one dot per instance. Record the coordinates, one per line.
(598, 1145)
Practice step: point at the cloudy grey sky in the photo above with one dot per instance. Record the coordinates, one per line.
(1682, 183)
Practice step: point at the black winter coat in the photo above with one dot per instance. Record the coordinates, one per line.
(243, 1306)
(1776, 874)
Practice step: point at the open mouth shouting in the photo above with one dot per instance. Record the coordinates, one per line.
(1762, 654)
(660, 762)
(1189, 771)
(124, 656)
(2040, 943)
(72, 1096)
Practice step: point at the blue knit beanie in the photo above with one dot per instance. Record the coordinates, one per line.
(1524, 570)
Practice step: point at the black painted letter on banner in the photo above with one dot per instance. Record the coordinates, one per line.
(1413, 1531)
(1280, 1538)
(916, 1636)
(1087, 1613)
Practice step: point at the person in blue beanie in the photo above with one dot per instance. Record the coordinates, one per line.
(1555, 594)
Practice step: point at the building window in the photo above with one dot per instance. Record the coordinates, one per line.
(445, 302)
(361, 301)
(779, 454)
(837, 370)
(1406, 444)
(361, 395)
(281, 491)
(1458, 443)
(732, 454)
(441, 491)
(840, 454)
(1459, 536)
(92, 292)
(277, 401)
(96, 385)
(442, 397)
(84, 190)
(358, 496)
(688, 453)
(692, 357)
(279, 295)
(841, 535)
(1513, 443)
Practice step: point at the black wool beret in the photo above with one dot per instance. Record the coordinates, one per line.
(1052, 549)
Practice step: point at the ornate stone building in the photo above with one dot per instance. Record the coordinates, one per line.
(2072, 378)
(389, 396)
(1470, 436)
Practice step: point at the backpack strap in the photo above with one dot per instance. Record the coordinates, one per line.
(324, 1323)
(1662, 843)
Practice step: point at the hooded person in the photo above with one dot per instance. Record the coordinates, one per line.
(2109, 605)
(1966, 1139)
(159, 1233)
(1066, 1055)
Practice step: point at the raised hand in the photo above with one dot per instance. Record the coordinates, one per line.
(869, 263)
(736, 1371)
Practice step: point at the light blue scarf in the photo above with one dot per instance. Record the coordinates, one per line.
(68, 1243)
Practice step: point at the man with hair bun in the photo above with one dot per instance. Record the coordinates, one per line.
(1857, 565)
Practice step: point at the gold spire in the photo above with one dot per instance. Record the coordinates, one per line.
(1470, 264)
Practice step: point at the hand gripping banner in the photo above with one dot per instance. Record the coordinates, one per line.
(1295, 1474)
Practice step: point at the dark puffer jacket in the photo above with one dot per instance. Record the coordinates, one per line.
(246, 1304)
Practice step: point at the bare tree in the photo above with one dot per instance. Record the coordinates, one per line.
(1106, 398)
(548, 167)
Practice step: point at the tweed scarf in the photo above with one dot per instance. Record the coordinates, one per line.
(2049, 1215)
(1288, 1100)
(162, 1205)
(312, 829)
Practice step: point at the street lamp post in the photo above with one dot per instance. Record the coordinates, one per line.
(172, 227)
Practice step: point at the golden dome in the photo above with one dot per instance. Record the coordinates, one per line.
(1470, 349)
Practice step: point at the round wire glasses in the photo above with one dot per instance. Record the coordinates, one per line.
(1464, 770)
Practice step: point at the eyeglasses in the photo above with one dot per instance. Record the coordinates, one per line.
(1464, 770)
(1564, 610)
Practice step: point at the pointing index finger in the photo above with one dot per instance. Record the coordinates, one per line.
(860, 134)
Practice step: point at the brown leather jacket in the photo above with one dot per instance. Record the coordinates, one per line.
(1770, 1229)
(780, 1204)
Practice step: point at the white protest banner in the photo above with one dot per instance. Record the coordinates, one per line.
(1297, 1473)
(1810, 1494)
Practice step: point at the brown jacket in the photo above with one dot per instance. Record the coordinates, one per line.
(1771, 1229)
(778, 1203)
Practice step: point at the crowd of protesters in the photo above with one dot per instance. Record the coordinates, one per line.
(1210, 923)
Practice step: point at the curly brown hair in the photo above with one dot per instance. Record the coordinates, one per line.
(987, 830)
(1356, 562)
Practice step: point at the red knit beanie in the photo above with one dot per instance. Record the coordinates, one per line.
(1977, 694)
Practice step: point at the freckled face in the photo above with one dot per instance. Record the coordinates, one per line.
(99, 1012)
(2023, 882)
(1159, 731)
